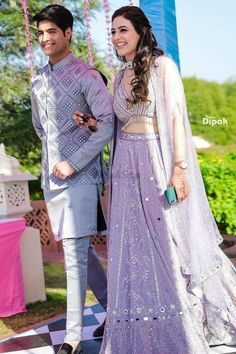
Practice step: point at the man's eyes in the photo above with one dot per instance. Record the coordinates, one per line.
(41, 33)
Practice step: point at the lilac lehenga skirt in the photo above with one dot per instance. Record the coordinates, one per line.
(149, 309)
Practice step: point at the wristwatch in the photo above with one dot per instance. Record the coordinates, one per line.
(181, 164)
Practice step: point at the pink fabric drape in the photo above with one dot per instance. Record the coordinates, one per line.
(12, 299)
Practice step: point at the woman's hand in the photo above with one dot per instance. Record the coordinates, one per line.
(180, 182)
(90, 121)
(77, 116)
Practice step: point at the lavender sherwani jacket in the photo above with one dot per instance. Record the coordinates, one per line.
(57, 92)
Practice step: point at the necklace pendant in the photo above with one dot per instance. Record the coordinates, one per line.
(127, 64)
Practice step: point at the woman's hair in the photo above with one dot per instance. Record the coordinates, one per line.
(146, 50)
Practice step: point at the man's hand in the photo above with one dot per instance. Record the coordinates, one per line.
(63, 169)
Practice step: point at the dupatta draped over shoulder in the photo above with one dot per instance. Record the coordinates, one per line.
(194, 228)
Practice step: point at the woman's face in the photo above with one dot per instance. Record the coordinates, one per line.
(124, 38)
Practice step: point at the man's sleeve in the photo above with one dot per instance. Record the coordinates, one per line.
(100, 104)
(35, 116)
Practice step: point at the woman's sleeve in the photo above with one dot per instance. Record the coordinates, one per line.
(176, 107)
(174, 90)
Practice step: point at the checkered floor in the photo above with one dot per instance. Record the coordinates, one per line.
(46, 339)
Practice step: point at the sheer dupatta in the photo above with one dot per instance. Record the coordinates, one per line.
(210, 275)
(193, 226)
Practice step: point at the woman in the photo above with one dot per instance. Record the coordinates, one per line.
(171, 290)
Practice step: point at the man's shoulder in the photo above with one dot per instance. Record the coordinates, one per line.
(39, 73)
(80, 66)
(85, 66)
(76, 66)
(88, 73)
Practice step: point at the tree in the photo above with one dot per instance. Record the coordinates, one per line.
(211, 99)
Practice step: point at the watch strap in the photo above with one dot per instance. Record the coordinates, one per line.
(181, 164)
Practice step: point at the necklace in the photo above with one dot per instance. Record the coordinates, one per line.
(127, 64)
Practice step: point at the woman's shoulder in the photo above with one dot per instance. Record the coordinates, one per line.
(117, 78)
(119, 74)
(166, 67)
(163, 61)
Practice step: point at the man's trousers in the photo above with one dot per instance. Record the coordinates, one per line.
(82, 267)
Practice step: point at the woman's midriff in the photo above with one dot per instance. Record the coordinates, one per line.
(138, 124)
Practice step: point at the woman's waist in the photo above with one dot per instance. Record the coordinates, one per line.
(140, 124)
(139, 137)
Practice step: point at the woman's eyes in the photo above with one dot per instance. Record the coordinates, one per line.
(121, 30)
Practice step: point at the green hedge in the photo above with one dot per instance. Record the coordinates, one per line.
(219, 175)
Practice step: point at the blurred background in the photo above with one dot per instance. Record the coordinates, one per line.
(207, 58)
(208, 67)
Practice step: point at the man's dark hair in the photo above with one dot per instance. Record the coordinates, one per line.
(58, 14)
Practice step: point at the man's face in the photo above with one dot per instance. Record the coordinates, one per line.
(53, 42)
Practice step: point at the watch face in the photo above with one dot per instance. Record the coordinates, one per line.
(183, 164)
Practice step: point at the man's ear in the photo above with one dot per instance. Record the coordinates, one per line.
(68, 33)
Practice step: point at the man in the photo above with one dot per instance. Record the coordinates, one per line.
(71, 163)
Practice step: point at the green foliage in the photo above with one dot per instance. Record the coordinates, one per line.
(16, 129)
(106, 154)
(219, 175)
(12, 29)
(55, 276)
(211, 99)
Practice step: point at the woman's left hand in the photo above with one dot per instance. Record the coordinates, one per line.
(78, 118)
(180, 182)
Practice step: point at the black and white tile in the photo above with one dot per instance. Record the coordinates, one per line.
(47, 338)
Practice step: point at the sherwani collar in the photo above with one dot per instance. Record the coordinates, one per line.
(61, 63)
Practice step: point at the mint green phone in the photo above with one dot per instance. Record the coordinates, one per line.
(171, 195)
